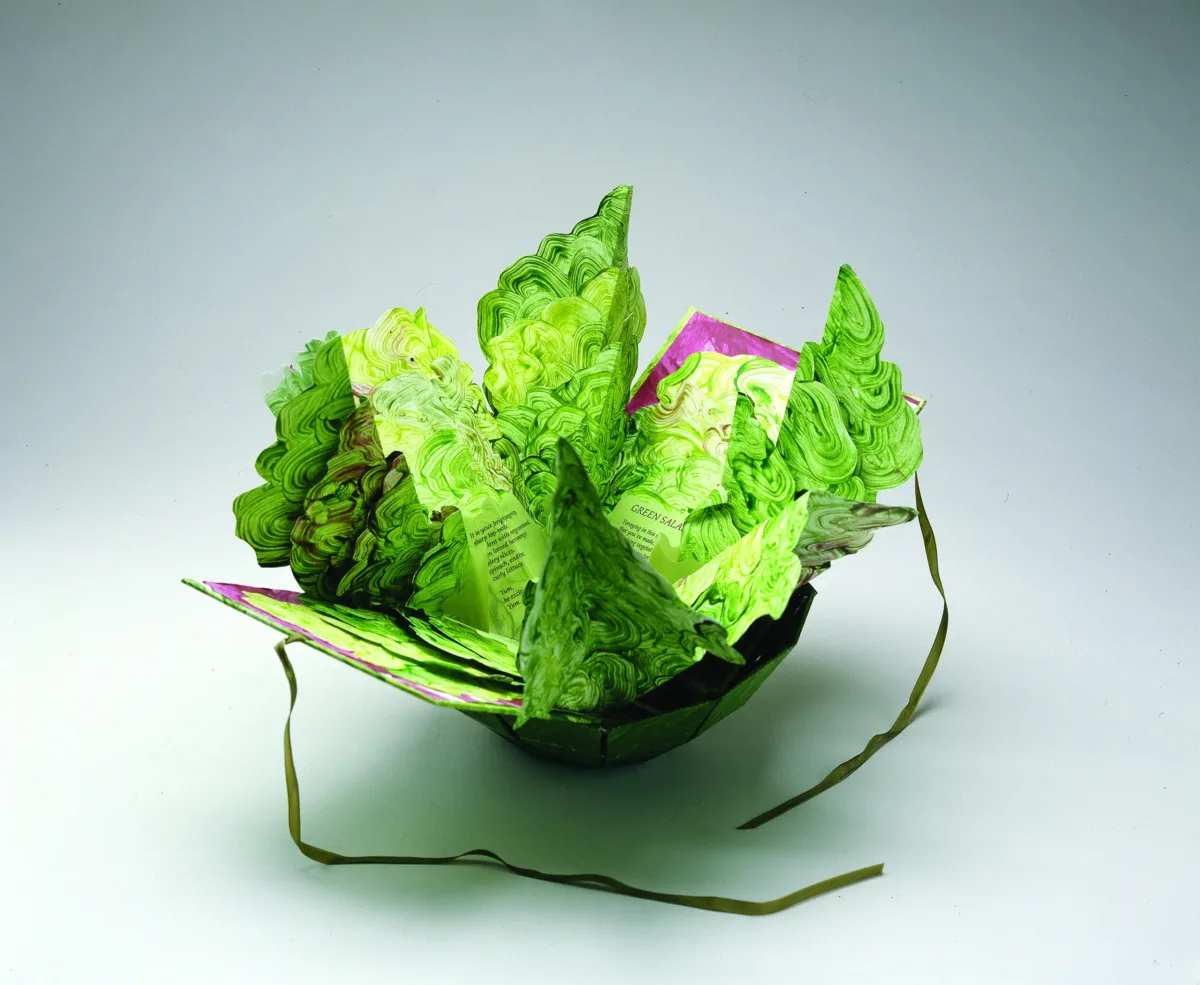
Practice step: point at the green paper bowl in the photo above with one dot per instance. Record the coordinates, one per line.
(674, 714)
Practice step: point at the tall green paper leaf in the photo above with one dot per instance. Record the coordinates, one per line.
(847, 427)
(560, 333)
(603, 626)
(307, 429)
(337, 508)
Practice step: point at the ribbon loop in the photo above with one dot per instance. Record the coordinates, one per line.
(588, 880)
(839, 773)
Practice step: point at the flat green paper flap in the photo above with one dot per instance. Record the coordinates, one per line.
(454, 636)
(284, 611)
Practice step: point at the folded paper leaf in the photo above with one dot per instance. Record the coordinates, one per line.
(397, 534)
(603, 626)
(337, 509)
(738, 470)
(567, 563)
(563, 264)
(680, 443)
(392, 654)
(441, 574)
(756, 485)
(401, 341)
(849, 427)
(313, 406)
(753, 577)
(698, 332)
(296, 377)
(560, 333)
(837, 527)
(441, 427)
(757, 575)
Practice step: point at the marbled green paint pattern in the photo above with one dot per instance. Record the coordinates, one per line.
(307, 431)
(603, 627)
(384, 444)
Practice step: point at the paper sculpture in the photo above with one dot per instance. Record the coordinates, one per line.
(597, 567)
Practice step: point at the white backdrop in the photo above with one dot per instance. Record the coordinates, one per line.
(192, 191)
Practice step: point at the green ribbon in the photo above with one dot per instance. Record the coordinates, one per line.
(839, 773)
(592, 880)
(589, 880)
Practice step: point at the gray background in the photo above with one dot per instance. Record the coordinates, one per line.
(190, 192)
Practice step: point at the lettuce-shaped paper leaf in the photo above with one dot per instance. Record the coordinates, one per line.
(307, 430)
(389, 549)
(562, 266)
(337, 508)
(296, 377)
(566, 336)
(757, 575)
(603, 626)
(752, 577)
(449, 442)
(400, 634)
(677, 453)
(681, 444)
(814, 440)
(440, 425)
(837, 527)
(561, 333)
(442, 572)
(452, 635)
(848, 427)
(587, 411)
(756, 485)
(401, 341)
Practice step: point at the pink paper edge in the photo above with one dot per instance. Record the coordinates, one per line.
(237, 593)
(703, 333)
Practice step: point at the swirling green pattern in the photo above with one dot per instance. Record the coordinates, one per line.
(401, 635)
(680, 444)
(602, 626)
(442, 428)
(561, 334)
(307, 429)
(567, 335)
(397, 652)
(813, 439)
(871, 412)
(442, 572)
(756, 576)
(837, 527)
(389, 549)
(454, 636)
(336, 509)
(707, 531)
(563, 264)
(753, 577)
(383, 488)
(401, 341)
(757, 481)
(766, 385)
(297, 376)
(588, 411)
